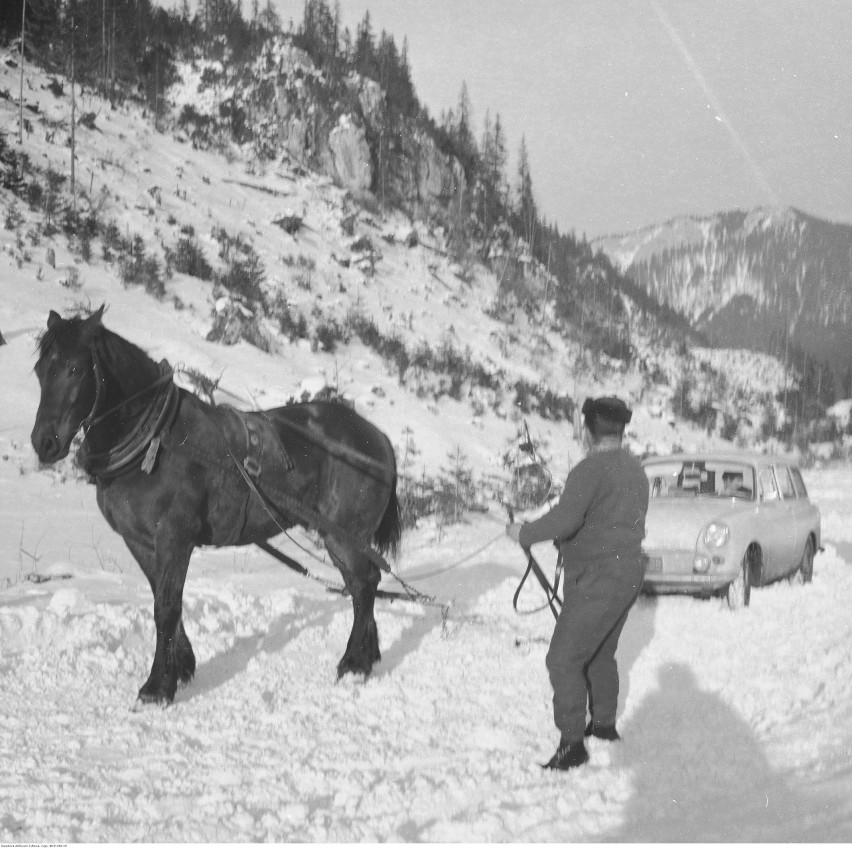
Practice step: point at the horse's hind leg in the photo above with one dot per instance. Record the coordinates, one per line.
(362, 577)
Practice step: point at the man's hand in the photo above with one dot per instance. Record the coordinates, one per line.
(513, 530)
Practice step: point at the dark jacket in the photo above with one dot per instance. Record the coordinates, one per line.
(600, 517)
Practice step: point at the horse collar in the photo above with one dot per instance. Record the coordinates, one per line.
(145, 436)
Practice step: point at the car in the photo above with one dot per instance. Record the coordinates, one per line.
(719, 524)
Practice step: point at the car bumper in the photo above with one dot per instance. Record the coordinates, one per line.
(672, 572)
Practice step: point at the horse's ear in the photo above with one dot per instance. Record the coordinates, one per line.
(91, 324)
(53, 319)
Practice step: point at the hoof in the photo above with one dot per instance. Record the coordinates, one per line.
(148, 696)
(186, 666)
(141, 706)
(187, 673)
(354, 665)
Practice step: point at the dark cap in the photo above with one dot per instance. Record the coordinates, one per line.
(611, 408)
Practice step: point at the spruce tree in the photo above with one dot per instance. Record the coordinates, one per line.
(525, 209)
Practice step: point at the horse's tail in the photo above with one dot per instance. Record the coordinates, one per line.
(389, 532)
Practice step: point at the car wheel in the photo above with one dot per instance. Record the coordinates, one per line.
(806, 566)
(739, 589)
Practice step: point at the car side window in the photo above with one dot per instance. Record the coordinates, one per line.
(782, 472)
(801, 491)
(766, 482)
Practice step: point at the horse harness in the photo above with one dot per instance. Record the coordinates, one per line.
(145, 437)
(278, 503)
(253, 445)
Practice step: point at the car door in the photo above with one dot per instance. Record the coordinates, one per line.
(791, 557)
(777, 524)
(807, 515)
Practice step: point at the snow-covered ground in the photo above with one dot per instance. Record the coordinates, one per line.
(736, 726)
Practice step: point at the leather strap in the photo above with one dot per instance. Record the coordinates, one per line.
(553, 598)
(145, 436)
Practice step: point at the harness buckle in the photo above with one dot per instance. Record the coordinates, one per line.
(254, 444)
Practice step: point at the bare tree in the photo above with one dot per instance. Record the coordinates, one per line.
(21, 103)
(102, 61)
(73, 122)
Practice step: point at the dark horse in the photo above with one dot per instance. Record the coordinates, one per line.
(173, 472)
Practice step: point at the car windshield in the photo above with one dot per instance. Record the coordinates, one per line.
(700, 478)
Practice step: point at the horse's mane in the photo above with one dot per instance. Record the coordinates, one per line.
(128, 364)
(62, 333)
(120, 359)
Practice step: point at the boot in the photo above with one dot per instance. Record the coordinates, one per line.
(568, 755)
(602, 731)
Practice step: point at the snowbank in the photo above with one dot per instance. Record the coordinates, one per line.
(735, 726)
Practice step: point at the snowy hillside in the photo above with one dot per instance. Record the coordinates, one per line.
(157, 189)
(735, 726)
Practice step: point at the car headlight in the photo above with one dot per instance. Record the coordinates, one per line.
(716, 534)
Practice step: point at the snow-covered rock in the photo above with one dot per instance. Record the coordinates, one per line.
(348, 156)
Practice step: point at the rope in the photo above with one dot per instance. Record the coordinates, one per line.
(413, 593)
(458, 562)
(416, 596)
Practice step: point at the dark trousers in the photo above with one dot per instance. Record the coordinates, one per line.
(581, 659)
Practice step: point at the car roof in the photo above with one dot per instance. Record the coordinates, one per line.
(723, 456)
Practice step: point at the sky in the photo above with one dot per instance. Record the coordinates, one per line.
(636, 111)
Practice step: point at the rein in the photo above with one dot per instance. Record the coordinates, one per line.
(552, 592)
(89, 422)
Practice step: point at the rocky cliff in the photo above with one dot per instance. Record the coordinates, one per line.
(289, 107)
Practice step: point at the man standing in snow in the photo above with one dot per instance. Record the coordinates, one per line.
(598, 524)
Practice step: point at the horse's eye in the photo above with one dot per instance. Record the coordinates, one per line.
(75, 371)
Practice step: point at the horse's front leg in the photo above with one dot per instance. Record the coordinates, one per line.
(166, 566)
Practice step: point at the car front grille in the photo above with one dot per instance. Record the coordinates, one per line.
(668, 562)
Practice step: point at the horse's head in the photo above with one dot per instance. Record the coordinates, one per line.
(66, 374)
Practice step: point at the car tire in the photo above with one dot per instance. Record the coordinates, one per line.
(739, 589)
(806, 565)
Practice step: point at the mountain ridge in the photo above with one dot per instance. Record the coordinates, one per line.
(764, 279)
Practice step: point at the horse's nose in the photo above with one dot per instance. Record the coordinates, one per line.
(46, 446)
